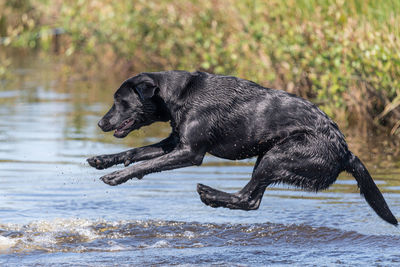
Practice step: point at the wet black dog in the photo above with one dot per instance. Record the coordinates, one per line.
(295, 142)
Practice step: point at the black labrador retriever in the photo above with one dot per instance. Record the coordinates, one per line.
(232, 118)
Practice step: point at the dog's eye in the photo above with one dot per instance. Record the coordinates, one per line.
(125, 104)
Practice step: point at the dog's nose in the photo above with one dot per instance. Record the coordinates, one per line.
(101, 124)
(105, 125)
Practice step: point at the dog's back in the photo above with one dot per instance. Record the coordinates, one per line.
(242, 114)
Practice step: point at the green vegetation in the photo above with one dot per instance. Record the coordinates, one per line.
(343, 55)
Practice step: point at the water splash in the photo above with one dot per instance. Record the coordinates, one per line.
(81, 235)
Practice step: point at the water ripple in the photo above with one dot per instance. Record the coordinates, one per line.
(81, 235)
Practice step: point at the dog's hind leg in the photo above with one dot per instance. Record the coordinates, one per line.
(249, 198)
(296, 161)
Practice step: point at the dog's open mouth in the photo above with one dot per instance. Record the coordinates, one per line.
(124, 128)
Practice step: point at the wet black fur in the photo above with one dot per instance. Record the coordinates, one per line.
(294, 141)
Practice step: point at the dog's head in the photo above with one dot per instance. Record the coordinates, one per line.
(136, 104)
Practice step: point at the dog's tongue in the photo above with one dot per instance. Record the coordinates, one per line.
(118, 132)
(122, 130)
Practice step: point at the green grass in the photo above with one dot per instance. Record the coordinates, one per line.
(344, 55)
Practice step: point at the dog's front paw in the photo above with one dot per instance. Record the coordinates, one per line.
(102, 162)
(114, 178)
(120, 177)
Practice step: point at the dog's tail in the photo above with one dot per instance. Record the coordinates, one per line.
(369, 189)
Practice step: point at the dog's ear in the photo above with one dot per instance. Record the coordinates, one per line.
(146, 90)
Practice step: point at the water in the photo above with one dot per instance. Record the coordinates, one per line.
(55, 211)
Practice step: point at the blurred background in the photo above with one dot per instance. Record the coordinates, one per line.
(344, 55)
(60, 63)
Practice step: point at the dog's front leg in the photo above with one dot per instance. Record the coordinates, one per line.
(134, 155)
(178, 158)
(105, 161)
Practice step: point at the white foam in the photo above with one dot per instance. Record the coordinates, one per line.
(114, 246)
(59, 224)
(189, 234)
(161, 244)
(6, 243)
(81, 227)
(45, 234)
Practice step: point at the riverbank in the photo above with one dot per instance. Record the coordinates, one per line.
(343, 55)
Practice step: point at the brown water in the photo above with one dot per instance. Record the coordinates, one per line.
(55, 212)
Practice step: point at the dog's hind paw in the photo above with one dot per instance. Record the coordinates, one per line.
(206, 195)
(215, 198)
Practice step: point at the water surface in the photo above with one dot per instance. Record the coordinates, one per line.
(55, 211)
